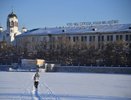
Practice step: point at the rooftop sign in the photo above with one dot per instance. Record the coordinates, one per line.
(80, 24)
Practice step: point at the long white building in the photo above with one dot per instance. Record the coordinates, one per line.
(54, 38)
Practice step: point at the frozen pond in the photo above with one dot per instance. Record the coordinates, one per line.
(65, 86)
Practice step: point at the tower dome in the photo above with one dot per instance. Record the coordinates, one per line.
(11, 15)
(24, 29)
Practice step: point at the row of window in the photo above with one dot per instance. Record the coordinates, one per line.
(100, 38)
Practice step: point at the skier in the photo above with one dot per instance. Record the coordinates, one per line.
(36, 80)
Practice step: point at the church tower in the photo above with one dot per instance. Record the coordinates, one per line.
(12, 26)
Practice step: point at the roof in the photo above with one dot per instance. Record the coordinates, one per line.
(78, 30)
(11, 15)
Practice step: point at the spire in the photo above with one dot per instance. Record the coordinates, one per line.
(12, 14)
(12, 9)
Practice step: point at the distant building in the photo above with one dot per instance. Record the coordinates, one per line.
(31, 63)
(57, 37)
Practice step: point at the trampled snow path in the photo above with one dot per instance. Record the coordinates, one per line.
(12, 89)
(42, 93)
(48, 95)
(65, 86)
(35, 95)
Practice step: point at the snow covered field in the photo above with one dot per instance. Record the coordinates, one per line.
(65, 86)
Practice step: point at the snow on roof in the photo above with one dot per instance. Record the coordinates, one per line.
(75, 30)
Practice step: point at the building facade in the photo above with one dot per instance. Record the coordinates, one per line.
(58, 37)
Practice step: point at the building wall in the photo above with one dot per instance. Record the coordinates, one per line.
(34, 42)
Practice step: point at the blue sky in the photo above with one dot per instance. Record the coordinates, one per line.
(51, 13)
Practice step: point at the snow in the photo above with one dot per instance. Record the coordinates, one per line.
(65, 86)
(78, 30)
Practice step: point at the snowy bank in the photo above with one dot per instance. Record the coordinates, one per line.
(89, 69)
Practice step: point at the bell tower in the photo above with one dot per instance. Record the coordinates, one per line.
(12, 26)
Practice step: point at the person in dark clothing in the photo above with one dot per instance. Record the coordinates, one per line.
(36, 80)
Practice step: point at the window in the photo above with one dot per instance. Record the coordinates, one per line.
(121, 37)
(130, 38)
(130, 45)
(85, 38)
(109, 37)
(82, 38)
(127, 37)
(117, 37)
(92, 38)
(102, 38)
(11, 24)
(99, 38)
(69, 38)
(77, 38)
(74, 39)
